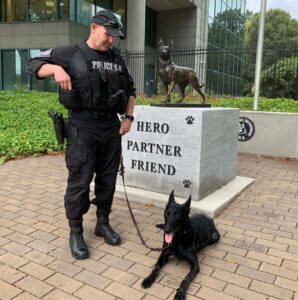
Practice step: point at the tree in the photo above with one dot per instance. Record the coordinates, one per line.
(279, 62)
(280, 29)
(279, 80)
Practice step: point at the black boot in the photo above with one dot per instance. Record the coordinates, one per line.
(104, 230)
(77, 244)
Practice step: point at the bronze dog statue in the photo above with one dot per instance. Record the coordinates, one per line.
(171, 74)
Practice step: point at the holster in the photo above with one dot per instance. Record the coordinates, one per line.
(59, 126)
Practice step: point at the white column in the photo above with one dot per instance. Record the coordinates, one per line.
(135, 43)
(136, 25)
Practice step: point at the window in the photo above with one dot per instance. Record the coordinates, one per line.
(13, 69)
(119, 8)
(226, 32)
(150, 27)
(40, 10)
(106, 4)
(63, 9)
(211, 8)
(84, 11)
(14, 10)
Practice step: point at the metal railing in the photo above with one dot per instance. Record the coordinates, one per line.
(224, 72)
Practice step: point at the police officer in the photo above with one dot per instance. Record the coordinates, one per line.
(94, 85)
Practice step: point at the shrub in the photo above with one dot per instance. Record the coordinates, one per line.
(279, 80)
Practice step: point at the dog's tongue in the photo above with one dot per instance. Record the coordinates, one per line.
(168, 238)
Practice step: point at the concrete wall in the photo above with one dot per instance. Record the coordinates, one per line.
(186, 26)
(40, 35)
(177, 25)
(276, 134)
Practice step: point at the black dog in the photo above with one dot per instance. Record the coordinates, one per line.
(172, 74)
(183, 237)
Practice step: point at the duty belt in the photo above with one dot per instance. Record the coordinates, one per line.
(92, 115)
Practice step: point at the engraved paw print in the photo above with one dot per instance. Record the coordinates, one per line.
(186, 183)
(189, 120)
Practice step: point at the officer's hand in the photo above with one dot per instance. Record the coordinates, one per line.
(62, 78)
(125, 126)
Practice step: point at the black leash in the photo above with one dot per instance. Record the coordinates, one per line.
(121, 172)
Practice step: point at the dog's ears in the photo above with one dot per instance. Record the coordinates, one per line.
(187, 203)
(172, 197)
(171, 44)
(160, 43)
(161, 226)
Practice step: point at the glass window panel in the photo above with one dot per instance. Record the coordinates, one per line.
(13, 67)
(211, 8)
(150, 27)
(21, 75)
(63, 9)
(119, 8)
(40, 10)
(217, 7)
(243, 7)
(222, 37)
(8, 66)
(85, 10)
(210, 30)
(14, 10)
(106, 4)
(72, 10)
(223, 10)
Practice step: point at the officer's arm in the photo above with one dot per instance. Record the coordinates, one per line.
(130, 106)
(126, 123)
(60, 76)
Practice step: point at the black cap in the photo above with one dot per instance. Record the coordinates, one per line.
(112, 25)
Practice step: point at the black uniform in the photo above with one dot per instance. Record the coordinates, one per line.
(101, 85)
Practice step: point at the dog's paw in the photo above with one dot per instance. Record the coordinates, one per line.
(189, 120)
(180, 295)
(147, 282)
(186, 183)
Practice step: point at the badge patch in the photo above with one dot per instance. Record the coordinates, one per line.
(46, 53)
(246, 129)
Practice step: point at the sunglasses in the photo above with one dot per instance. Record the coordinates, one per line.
(113, 24)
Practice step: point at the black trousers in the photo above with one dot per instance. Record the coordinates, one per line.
(93, 147)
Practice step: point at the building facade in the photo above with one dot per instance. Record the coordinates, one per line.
(28, 26)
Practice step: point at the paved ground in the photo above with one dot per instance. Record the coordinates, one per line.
(256, 258)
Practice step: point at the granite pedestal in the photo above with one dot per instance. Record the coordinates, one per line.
(190, 150)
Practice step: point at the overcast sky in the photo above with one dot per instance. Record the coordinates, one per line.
(291, 6)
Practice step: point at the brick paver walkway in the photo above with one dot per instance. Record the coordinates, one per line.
(256, 258)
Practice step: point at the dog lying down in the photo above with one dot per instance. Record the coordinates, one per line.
(183, 237)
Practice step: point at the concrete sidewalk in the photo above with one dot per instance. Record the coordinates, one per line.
(256, 258)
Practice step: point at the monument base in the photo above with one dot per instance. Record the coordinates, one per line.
(212, 204)
(190, 150)
(181, 105)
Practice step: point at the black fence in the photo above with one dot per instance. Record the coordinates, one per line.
(224, 72)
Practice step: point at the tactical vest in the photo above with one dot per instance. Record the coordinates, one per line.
(95, 80)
